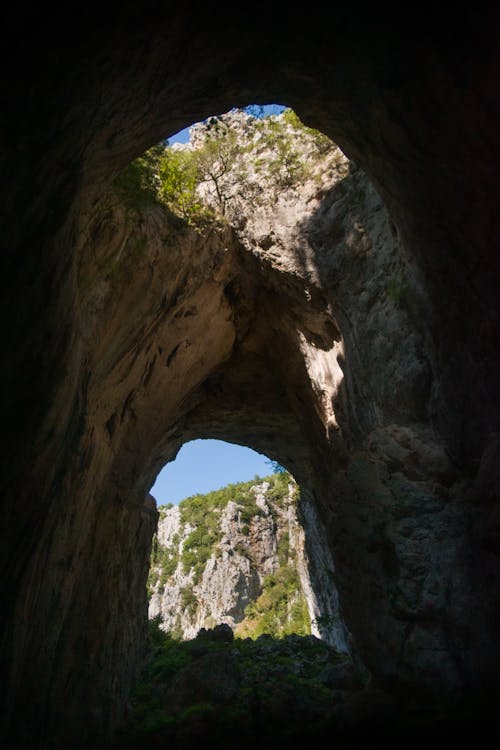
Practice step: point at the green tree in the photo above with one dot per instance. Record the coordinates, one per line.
(216, 158)
(178, 179)
(139, 182)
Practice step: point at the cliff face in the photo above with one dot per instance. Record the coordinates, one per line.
(240, 557)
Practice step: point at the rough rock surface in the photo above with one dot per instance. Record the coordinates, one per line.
(407, 486)
(246, 553)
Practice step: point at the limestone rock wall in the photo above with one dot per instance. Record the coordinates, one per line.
(234, 574)
(318, 580)
(228, 582)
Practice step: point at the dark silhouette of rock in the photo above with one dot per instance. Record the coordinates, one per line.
(222, 632)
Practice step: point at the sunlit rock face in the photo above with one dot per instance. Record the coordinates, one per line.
(381, 397)
(267, 530)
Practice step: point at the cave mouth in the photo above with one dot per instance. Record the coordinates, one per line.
(272, 370)
(239, 547)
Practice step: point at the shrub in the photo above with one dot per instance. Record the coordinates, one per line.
(139, 181)
(179, 176)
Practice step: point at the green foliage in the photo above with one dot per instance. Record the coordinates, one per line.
(157, 636)
(279, 484)
(217, 157)
(196, 709)
(169, 563)
(165, 558)
(138, 182)
(284, 548)
(197, 549)
(189, 601)
(179, 175)
(241, 548)
(203, 513)
(276, 467)
(283, 165)
(325, 622)
(321, 141)
(280, 610)
(163, 563)
(211, 692)
(167, 661)
(248, 509)
(225, 164)
(205, 509)
(181, 171)
(299, 621)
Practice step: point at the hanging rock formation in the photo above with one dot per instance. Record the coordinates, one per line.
(358, 346)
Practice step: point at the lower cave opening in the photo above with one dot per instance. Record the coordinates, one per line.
(249, 554)
(245, 632)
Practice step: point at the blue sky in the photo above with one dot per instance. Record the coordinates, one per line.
(205, 465)
(183, 135)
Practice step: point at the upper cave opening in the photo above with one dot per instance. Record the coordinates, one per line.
(227, 164)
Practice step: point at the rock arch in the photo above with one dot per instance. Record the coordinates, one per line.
(422, 121)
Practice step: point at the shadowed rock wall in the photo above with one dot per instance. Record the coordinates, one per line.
(407, 481)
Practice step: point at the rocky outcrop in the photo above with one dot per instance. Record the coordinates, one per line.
(257, 543)
(90, 414)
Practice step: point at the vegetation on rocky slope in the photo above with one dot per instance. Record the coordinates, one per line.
(202, 514)
(216, 691)
(230, 158)
(280, 607)
(233, 692)
(280, 610)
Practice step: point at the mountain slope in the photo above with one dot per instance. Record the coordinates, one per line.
(238, 556)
